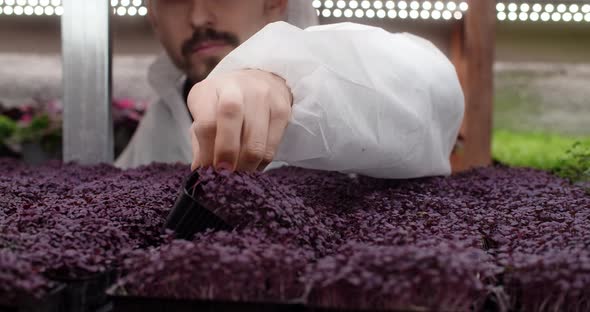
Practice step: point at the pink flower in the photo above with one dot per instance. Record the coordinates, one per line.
(125, 103)
(26, 109)
(26, 118)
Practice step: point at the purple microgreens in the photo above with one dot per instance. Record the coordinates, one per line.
(514, 238)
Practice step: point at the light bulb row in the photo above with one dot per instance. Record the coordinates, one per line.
(391, 9)
(381, 13)
(537, 7)
(443, 10)
(544, 17)
(37, 10)
(447, 10)
(12, 8)
(130, 11)
(390, 4)
(543, 12)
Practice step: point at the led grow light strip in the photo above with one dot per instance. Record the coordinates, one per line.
(543, 12)
(402, 9)
(391, 9)
(54, 7)
(449, 10)
(128, 7)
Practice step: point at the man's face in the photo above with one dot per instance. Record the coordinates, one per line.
(198, 34)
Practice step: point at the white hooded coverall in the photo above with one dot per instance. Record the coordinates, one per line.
(364, 100)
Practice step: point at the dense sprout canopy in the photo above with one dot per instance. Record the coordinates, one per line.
(67, 221)
(489, 239)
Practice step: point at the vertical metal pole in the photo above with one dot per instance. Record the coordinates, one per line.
(86, 52)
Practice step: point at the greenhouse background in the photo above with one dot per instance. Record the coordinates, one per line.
(507, 230)
(542, 64)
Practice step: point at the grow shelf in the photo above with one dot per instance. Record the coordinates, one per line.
(52, 302)
(86, 294)
(123, 303)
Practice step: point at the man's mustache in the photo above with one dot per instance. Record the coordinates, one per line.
(208, 34)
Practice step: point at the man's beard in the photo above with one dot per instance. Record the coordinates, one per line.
(199, 74)
(201, 35)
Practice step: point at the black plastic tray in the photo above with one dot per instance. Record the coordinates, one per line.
(86, 294)
(53, 302)
(189, 215)
(133, 304)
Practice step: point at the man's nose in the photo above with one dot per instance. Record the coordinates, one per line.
(201, 14)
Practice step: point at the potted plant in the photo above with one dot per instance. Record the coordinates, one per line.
(34, 131)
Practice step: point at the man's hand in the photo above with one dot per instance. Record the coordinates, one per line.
(239, 119)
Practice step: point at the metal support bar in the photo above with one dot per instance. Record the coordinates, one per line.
(86, 51)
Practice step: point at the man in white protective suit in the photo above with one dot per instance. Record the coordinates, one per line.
(243, 87)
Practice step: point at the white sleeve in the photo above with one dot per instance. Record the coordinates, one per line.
(365, 101)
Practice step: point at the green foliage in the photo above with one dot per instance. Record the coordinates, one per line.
(7, 128)
(576, 165)
(531, 149)
(568, 157)
(39, 127)
(43, 130)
